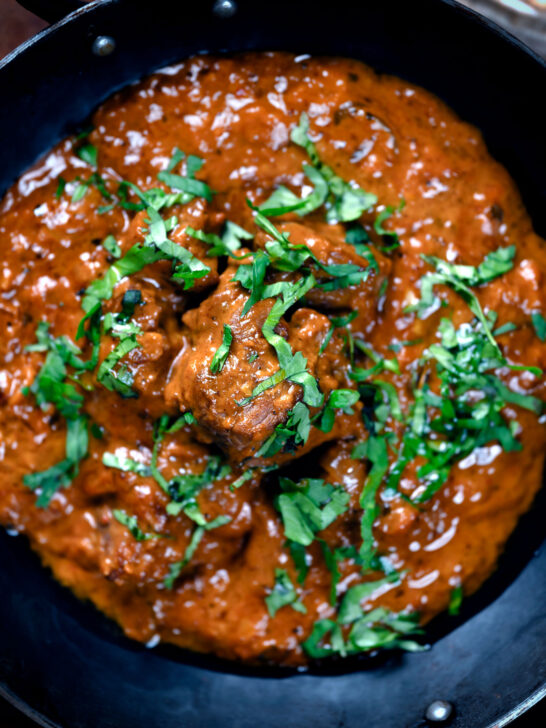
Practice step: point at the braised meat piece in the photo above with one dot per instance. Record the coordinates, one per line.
(327, 244)
(194, 215)
(221, 401)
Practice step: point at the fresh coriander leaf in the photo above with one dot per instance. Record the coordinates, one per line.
(350, 609)
(242, 479)
(460, 278)
(539, 323)
(504, 329)
(184, 488)
(189, 185)
(300, 559)
(113, 460)
(390, 237)
(377, 629)
(111, 246)
(289, 435)
(233, 235)
(338, 399)
(176, 158)
(222, 353)
(308, 507)
(118, 379)
(176, 569)
(50, 481)
(284, 201)
(376, 453)
(88, 154)
(79, 192)
(130, 522)
(60, 187)
(455, 601)
(283, 594)
(252, 278)
(346, 201)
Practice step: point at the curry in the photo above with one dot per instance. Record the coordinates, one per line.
(271, 371)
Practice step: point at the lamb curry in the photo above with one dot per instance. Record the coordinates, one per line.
(271, 367)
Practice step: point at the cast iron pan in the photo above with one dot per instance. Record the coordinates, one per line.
(64, 663)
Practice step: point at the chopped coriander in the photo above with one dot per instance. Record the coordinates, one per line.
(539, 323)
(283, 200)
(252, 278)
(225, 245)
(283, 594)
(346, 201)
(130, 522)
(88, 154)
(308, 507)
(376, 453)
(177, 157)
(113, 460)
(288, 435)
(60, 187)
(504, 329)
(242, 479)
(379, 628)
(222, 353)
(192, 187)
(338, 399)
(300, 559)
(50, 387)
(455, 601)
(337, 322)
(445, 427)
(390, 237)
(461, 278)
(185, 487)
(397, 346)
(350, 609)
(79, 192)
(111, 246)
(358, 237)
(114, 378)
(176, 569)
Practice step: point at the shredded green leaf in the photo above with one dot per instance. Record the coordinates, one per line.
(222, 353)
(283, 594)
(131, 523)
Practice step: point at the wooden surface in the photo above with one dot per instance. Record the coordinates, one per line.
(16, 25)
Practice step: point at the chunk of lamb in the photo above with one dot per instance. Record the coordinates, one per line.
(214, 398)
(195, 215)
(327, 243)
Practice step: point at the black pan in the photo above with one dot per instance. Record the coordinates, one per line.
(67, 665)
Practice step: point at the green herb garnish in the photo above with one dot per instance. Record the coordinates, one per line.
(222, 353)
(283, 594)
(130, 522)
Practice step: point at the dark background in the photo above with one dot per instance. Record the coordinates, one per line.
(16, 24)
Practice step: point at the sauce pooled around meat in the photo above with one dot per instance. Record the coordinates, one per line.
(270, 380)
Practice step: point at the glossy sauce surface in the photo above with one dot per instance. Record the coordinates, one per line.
(392, 139)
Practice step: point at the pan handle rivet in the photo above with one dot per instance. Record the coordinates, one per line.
(439, 711)
(224, 8)
(103, 45)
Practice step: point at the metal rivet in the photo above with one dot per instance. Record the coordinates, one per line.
(439, 711)
(224, 8)
(103, 45)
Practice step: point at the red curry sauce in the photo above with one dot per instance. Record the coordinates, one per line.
(392, 139)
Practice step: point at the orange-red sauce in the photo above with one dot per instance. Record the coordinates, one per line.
(391, 138)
